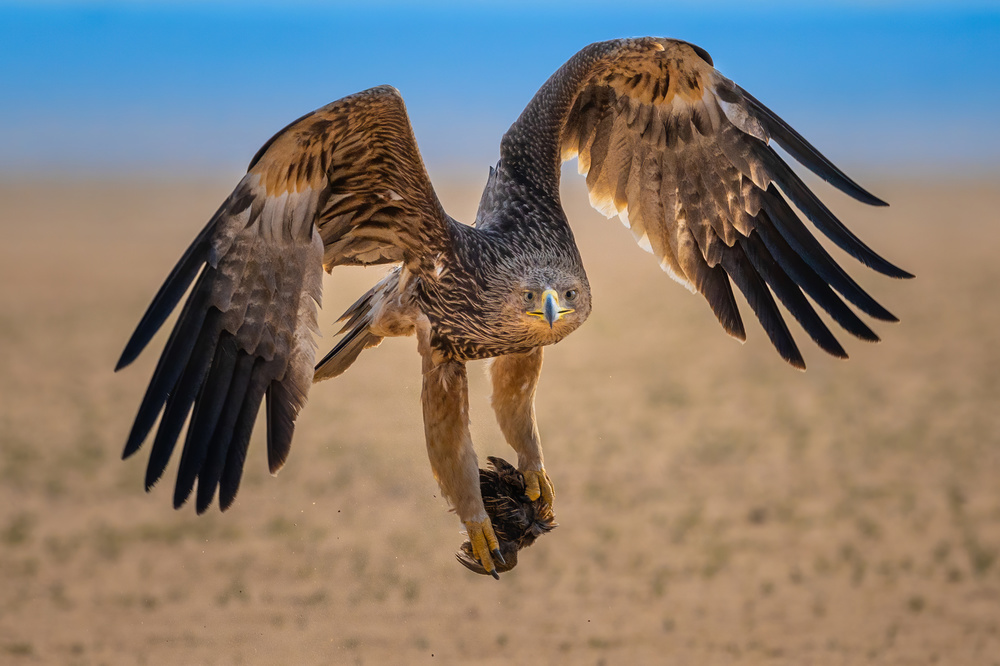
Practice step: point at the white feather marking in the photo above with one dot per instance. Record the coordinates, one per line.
(335, 199)
(744, 121)
(272, 217)
(605, 205)
(712, 110)
(304, 208)
(225, 235)
(394, 195)
(623, 216)
(644, 243)
(313, 283)
(669, 270)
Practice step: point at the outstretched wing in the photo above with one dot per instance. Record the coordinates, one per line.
(680, 153)
(342, 185)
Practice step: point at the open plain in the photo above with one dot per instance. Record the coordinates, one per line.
(715, 505)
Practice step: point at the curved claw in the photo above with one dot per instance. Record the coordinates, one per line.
(485, 547)
(537, 484)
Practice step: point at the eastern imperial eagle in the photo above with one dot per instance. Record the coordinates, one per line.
(679, 152)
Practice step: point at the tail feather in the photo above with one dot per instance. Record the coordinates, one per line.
(357, 332)
(342, 356)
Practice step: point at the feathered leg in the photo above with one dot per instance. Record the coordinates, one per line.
(515, 377)
(445, 400)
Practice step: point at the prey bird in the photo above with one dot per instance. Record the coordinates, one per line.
(668, 144)
(517, 521)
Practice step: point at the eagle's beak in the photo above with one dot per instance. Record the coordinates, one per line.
(551, 310)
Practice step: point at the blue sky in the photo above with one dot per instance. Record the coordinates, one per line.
(197, 87)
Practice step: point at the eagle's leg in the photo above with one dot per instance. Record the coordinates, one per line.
(515, 377)
(445, 401)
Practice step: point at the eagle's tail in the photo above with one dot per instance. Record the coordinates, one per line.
(356, 330)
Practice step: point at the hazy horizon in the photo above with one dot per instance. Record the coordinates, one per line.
(127, 88)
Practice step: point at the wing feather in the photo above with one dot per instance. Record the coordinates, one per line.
(232, 472)
(742, 272)
(210, 473)
(822, 218)
(166, 299)
(789, 293)
(172, 362)
(809, 281)
(342, 185)
(182, 397)
(800, 149)
(682, 155)
(208, 408)
(794, 232)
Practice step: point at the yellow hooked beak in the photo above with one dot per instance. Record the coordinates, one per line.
(551, 310)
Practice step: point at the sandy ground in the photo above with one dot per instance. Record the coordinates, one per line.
(715, 506)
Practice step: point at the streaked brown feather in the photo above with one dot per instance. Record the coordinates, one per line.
(376, 203)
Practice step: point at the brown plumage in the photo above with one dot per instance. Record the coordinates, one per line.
(679, 152)
(517, 520)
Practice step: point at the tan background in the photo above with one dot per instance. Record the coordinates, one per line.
(715, 505)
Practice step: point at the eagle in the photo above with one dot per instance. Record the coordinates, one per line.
(681, 154)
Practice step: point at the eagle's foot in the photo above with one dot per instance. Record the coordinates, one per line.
(485, 547)
(514, 520)
(537, 484)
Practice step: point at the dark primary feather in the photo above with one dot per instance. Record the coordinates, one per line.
(182, 397)
(208, 407)
(809, 281)
(825, 221)
(236, 454)
(798, 237)
(719, 294)
(211, 471)
(789, 293)
(797, 146)
(168, 296)
(742, 272)
(171, 364)
(281, 413)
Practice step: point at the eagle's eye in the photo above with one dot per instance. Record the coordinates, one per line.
(570, 295)
(529, 297)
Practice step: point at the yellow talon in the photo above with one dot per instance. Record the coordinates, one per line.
(537, 484)
(485, 546)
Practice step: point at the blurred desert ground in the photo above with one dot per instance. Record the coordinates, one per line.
(715, 506)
